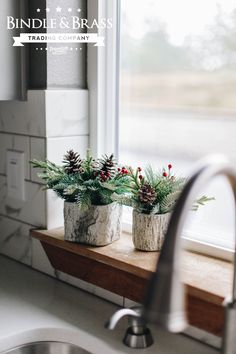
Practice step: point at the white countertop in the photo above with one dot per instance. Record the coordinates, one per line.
(36, 307)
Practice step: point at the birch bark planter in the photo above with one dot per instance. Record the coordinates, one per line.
(97, 226)
(149, 230)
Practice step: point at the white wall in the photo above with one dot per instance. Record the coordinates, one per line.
(46, 125)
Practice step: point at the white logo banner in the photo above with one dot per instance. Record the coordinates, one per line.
(58, 38)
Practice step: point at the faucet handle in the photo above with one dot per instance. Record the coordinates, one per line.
(137, 335)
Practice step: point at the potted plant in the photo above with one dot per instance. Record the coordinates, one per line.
(90, 214)
(153, 195)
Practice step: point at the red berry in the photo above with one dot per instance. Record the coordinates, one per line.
(170, 166)
(118, 169)
(165, 174)
(140, 177)
(108, 174)
(139, 169)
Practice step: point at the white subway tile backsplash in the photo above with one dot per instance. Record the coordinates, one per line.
(47, 113)
(66, 113)
(15, 241)
(108, 295)
(27, 117)
(37, 151)
(14, 142)
(40, 260)
(76, 282)
(54, 210)
(47, 125)
(32, 211)
(129, 303)
(57, 147)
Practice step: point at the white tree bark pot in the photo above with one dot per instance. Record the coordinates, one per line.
(149, 230)
(97, 226)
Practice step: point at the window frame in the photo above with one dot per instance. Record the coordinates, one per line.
(103, 85)
(103, 80)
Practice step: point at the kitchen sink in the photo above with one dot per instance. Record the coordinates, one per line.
(47, 348)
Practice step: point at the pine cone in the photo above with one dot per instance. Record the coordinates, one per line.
(147, 194)
(107, 165)
(72, 162)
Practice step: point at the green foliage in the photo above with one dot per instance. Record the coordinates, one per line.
(154, 192)
(92, 181)
(51, 173)
(84, 181)
(169, 201)
(201, 201)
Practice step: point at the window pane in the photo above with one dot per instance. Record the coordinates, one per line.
(177, 90)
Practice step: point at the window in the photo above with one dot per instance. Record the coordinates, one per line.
(177, 96)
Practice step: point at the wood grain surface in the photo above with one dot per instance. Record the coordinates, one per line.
(125, 271)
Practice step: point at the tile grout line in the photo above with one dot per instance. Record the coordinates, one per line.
(20, 221)
(43, 137)
(26, 180)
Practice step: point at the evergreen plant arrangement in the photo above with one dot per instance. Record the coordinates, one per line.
(86, 184)
(153, 195)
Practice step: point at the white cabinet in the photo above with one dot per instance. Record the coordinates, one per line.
(12, 76)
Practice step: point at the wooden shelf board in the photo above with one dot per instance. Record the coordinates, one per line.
(125, 271)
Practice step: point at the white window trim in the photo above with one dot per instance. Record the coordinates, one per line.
(207, 248)
(103, 80)
(196, 246)
(103, 85)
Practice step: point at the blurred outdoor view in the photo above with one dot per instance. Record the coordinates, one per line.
(178, 85)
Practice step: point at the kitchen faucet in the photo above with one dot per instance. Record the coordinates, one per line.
(164, 303)
(137, 336)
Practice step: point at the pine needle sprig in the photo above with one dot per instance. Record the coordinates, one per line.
(88, 181)
(51, 173)
(168, 202)
(89, 167)
(201, 201)
(85, 181)
(152, 192)
(46, 166)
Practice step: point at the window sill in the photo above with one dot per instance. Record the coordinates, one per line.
(125, 271)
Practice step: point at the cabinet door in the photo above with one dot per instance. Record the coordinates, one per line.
(11, 74)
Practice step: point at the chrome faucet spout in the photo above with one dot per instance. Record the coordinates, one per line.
(165, 300)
